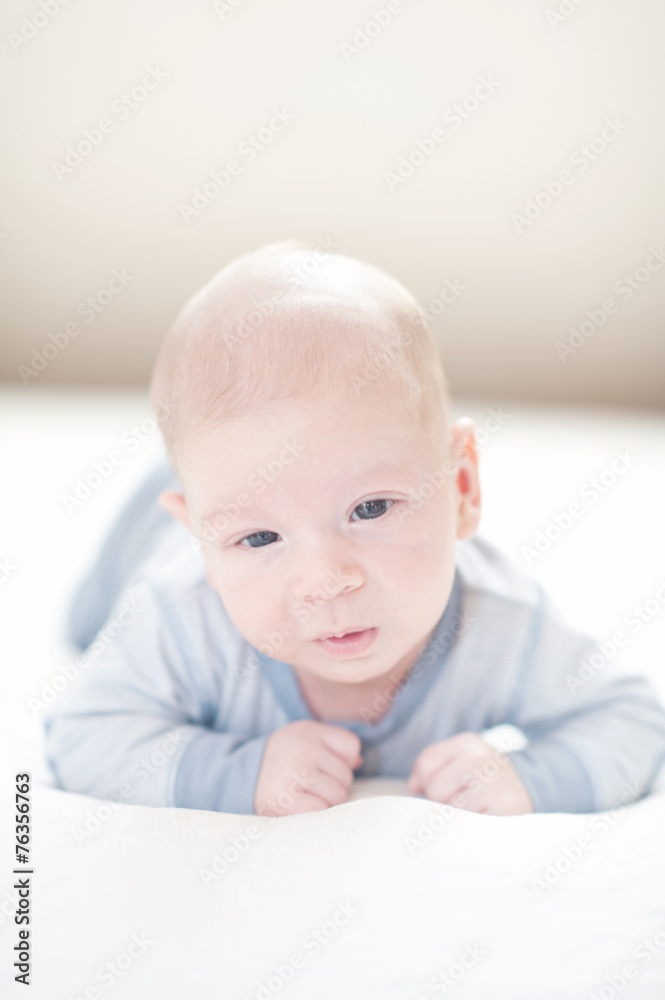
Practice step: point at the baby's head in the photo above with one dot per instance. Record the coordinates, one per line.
(310, 432)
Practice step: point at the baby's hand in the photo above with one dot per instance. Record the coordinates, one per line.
(466, 772)
(307, 765)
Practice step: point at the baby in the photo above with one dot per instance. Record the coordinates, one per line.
(317, 607)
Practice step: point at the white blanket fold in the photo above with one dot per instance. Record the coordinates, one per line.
(385, 897)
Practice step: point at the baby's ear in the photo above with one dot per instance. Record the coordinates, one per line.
(174, 503)
(465, 454)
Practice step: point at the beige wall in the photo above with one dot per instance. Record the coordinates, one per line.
(323, 176)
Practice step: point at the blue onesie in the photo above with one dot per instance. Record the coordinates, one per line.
(176, 708)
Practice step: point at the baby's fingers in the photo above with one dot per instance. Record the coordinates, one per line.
(428, 761)
(307, 802)
(327, 788)
(448, 782)
(342, 742)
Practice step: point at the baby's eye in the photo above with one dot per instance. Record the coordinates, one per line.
(264, 538)
(373, 508)
(369, 510)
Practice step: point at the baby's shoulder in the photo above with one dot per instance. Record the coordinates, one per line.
(186, 610)
(483, 568)
(175, 574)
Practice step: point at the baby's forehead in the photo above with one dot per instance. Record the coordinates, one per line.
(328, 428)
(264, 458)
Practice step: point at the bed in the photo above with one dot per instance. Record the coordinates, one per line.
(388, 895)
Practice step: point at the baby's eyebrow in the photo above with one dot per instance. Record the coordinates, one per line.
(388, 465)
(237, 504)
(233, 507)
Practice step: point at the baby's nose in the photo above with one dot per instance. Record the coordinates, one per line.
(333, 584)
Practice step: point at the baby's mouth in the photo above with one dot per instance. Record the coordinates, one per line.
(349, 643)
(343, 632)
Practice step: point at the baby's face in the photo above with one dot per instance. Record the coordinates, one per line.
(330, 515)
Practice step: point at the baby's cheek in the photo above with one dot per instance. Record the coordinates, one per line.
(423, 560)
(266, 624)
(249, 604)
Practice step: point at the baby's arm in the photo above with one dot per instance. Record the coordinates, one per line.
(593, 744)
(135, 727)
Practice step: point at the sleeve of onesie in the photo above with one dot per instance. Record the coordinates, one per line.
(596, 734)
(134, 726)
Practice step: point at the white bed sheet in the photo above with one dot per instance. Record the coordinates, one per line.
(535, 910)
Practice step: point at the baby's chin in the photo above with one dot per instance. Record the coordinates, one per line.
(345, 672)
